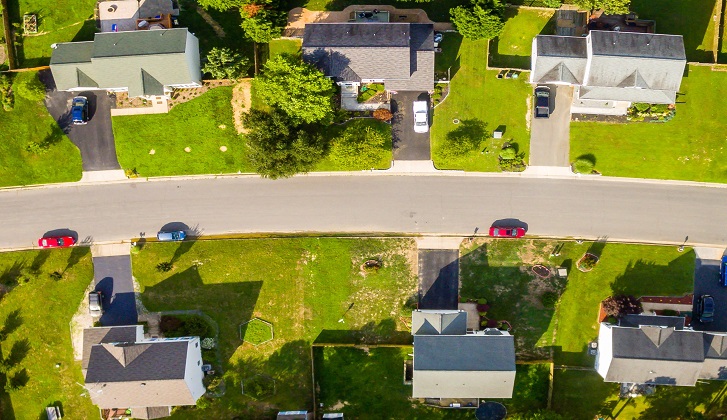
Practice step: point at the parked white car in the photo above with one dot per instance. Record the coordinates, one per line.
(421, 117)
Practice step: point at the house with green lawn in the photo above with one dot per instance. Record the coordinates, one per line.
(610, 70)
(143, 63)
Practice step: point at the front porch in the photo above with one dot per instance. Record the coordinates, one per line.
(354, 97)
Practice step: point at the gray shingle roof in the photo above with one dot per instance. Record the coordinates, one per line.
(560, 59)
(93, 336)
(637, 45)
(439, 322)
(635, 321)
(401, 54)
(657, 343)
(149, 42)
(479, 353)
(561, 46)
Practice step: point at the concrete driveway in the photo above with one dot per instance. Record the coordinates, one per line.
(706, 282)
(95, 140)
(408, 145)
(550, 137)
(438, 278)
(112, 276)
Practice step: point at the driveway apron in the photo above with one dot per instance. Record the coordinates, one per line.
(706, 282)
(438, 279)
(550, 137)
(407, 144)
(112, 277)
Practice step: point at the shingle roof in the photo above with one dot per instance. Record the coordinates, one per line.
(149, 42)
(657, 343)
(479, 353)
(637, 45)
(432, 322)
(560, 59)
(93, 336)
(635, 321)
(561, 46)
(333, 35)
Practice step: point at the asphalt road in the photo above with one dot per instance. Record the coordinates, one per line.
(112, 277)
(438, 278)
(577, 207)
(95, 139)
(408, 145)
(550, 137)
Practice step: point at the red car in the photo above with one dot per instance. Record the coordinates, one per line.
(507, 232)
(56, 242)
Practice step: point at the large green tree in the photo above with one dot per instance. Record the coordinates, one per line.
(481, 20)
(297, 88)
(278, 147)
(611, 7)
(220, 5)
(262, 25)
(223, 63)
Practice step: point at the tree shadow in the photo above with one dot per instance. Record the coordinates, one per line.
(470, 133)
(18, 352)
(370, 333)
(447, 63)
(12, 322)
(10, 275)
(40, 258)
(635, 280)
(77, 253)
(596, 247)
(19, 379)
(589, 157)
(681, 402)
(182, 249)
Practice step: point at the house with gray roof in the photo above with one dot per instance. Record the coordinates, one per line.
(142, 63)
(148, 376)
(450, 362)
(399, 55)
(611, 70)
(659, 350)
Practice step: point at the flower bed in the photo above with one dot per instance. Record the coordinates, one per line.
(587, 262)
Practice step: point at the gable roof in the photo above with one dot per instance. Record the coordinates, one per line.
(98, 335)
(142, 61)
(436, 322)
(401, 54)
(559, 59)
(637, 45)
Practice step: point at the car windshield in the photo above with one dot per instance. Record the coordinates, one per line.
(60, 241)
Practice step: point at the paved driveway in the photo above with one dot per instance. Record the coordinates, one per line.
(550, 137)
(706, 282)
(438, 279)
(112, 276)
(95, 140)
(408, 145)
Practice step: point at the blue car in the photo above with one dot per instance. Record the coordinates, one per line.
(79, 110)
(174, 236)
(723, 271)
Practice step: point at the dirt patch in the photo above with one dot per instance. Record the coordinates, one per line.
(80, 321)
(241, 103)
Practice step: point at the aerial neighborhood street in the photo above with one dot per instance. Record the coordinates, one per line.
(448, 209)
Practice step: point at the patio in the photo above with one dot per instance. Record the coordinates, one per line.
(622, 23)
(349, 99)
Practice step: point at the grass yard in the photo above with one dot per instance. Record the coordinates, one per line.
(705, 400)
(302, 286)
(203, 124)
(512, 49)
(351, 149)
(482, 103)
(693, 19)
(284, 46)
(499, 271)
(35, 316)
(689, 147)
(30, 121)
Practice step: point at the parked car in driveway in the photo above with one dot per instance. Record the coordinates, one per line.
(421, 117)
(95, 303)
(79, 110)
(542, 102)
(177, 235)
(723, 271)
(507, 232)
(56, 242)
(706, 309)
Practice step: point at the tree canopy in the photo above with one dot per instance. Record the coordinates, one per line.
(481, 20)
(262, 25)
(220, 5)
(611, 7)
(278, 147)
(297, 88)
(223, 63)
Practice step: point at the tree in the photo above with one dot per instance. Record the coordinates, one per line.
(278, 147)
(611, 7)
(264, 25)
(482, 20)
(618, 306)
(220, 5)
(297, 88)
(223, 63)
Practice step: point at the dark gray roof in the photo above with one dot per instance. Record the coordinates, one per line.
(149, 42)
(635, 44)
(433, 322)
(152, 361)
(422, 37)
(657, 343)
(676, 322)
(93, 336)
(561, 46)
(464, 352)
(715, 346)
(333, 35)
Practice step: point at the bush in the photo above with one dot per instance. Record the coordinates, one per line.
(383, 114)
(659, 109)
(208, 343)
(549, 299)
(31, 89)
(169, 323)
(583, 166)
(223, 63)
(360, 145)
(641, 107)
(508, 153)
(185, 326)
(36, 148)
(56, 275)
(164, 267)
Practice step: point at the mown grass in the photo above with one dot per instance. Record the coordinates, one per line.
(304, 287)
(203, 124)
(39, 344)
(481, 103)
(333, 135)
(30, 121)
(689, 147)
(513, 47)
(284, 46)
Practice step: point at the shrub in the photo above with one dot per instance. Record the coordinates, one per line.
(169, 323)
(36, 148)
(360, 145)
(164, 266)
(31, 89)
(224, 63)
(208, 343)
(549, 299)
(383, 114)
(641, 107)
(583, 166)
(482, 301)
(659, 108)
(56, 275)
(620, 305)
(508, 153)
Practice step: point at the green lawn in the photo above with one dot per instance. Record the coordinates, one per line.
(203, 124)
(705, 400)
(58, 21)
(359, 158)
(512, 49)
(689, 147)
(30, 121)
(499, 271)
(302, 286)
(40, 347)
(283, 46)
(481, 102)
(690, 18)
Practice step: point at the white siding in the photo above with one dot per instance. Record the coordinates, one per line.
(193, 371)
(605, 350)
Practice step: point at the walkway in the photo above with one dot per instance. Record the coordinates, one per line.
(550, 137)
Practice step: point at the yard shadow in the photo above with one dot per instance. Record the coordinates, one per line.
(12, 322)
(371, 333)
(570, 400)
(40, 258)
(596, 247)
(447, 62)
(469, 133)
(643, 277)
(10, 275)
(682, 402)
(77, 253)
(495, 59)
(18, 352)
